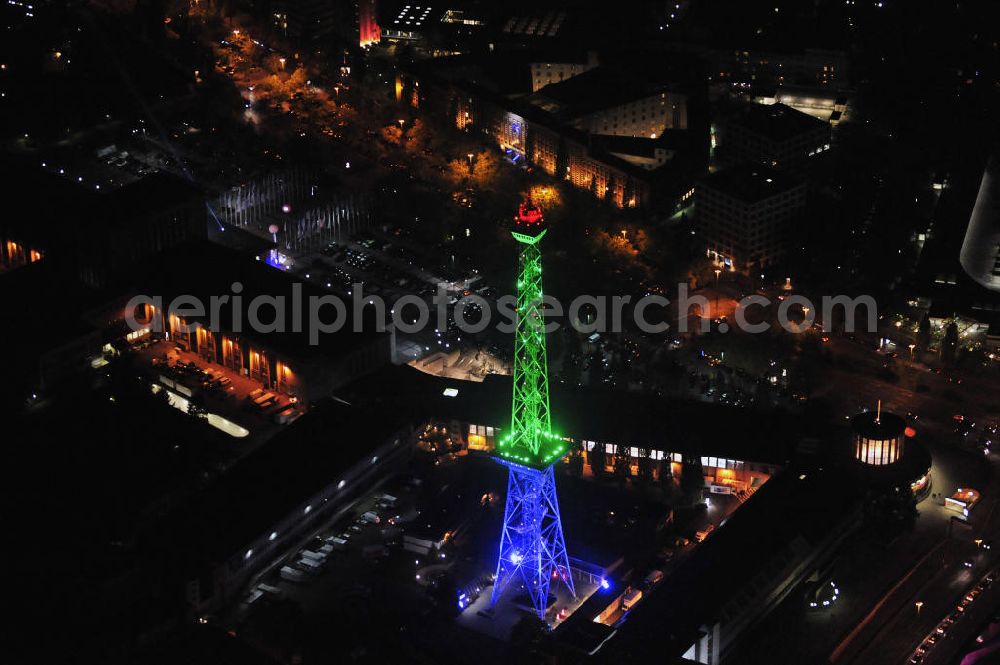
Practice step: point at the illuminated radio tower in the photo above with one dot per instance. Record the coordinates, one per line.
(532, 548)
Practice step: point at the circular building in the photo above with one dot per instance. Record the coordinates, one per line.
(885, 453)
(879, 438)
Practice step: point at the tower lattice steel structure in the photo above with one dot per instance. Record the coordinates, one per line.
(532, 547)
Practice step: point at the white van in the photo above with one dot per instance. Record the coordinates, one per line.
(318, 557)
(310, 566)
(292, 575)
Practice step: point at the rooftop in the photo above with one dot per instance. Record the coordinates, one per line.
(677, 426)
(218, 268)
(600, 88)
(745, 555)
(307, 456)
(640, 146)
(776, 122)
(881, 427)
(70, 210)
(751, 183)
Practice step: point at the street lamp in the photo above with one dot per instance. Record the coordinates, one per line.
(718, 272)
(470, 156)
(401, 122)
(912, 346)
(918, 605)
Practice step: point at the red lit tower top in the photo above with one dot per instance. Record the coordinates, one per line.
(529, 224)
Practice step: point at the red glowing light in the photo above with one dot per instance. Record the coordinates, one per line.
(910, 432)
(529, 214)
(369, 30)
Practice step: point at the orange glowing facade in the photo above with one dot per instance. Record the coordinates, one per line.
(14, 254)
(250, 359)
(560, 151)
(878, 451)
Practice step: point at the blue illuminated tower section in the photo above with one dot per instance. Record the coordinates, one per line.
(532, 547)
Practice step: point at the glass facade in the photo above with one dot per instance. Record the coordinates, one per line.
(878, 451)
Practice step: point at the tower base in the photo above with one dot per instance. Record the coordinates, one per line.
(532, 547)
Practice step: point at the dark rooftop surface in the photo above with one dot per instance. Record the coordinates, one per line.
(307, 456)
(209, 270)
(751, 183)
(792, 513)
(671, 139)
(42, 309)
(69, 210)
(676, 426)
(776, 121)
(600, 88)
(880, 427)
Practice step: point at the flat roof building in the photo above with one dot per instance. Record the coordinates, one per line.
(744, 215)
(765, 550)
(98, 235)
(608, 100)
(776, 135)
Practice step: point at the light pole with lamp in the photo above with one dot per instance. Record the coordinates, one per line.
(718, 273)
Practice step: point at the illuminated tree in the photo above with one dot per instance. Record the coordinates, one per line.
(391, 134)
(417, 137)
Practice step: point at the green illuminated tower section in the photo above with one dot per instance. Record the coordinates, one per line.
(530, 439)
(532, 547)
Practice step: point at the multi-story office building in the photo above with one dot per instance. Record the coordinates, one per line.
(558, 68)
(775, 134)
(557, 129)
(744, 215)
(305, 21)
(606, 100)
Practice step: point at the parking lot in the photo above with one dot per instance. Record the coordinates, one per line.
(216, 391)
